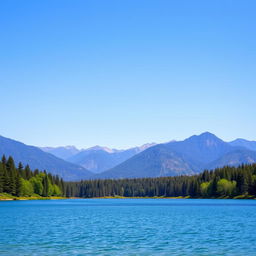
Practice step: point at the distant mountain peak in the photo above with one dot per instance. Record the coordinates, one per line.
(112, 150)
(244, 143)
(70, 147)
(100, 148)
(62, 152)
(59, 147)
(207, 135)
(207, 138)
(146, 146)
(242, 140)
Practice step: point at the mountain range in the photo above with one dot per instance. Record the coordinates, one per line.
(96, 159)
(99, 159)
(244, 143)
(61, 152)
(38, 159)
(187, 157)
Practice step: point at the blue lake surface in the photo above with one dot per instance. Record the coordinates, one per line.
(128, 227)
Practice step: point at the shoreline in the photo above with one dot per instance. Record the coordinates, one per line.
(178, 197)
(7, 197)
(13, 198)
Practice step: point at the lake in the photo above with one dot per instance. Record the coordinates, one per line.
(128, 227)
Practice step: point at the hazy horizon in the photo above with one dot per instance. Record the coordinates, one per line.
(119, 148)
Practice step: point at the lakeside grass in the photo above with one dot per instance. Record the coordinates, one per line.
(8, 197)
(139, 197)
(178, 197)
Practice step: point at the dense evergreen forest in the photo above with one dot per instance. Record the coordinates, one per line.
(223, 182)
(25, 182)
(226, 182)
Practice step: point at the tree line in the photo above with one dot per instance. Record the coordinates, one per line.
(222, 182)
(20, 181)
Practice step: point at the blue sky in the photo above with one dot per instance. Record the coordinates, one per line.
(123, 73)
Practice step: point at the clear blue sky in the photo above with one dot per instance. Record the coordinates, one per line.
(123, 73)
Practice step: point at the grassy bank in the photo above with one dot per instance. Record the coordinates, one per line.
(178, 197)
(8, 197)
(146, 197)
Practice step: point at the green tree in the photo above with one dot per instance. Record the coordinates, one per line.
(26, 188)
(213, 186)
(4, 160)
(204, 188)
(28, 173)
(45, 186)
(11, 169)
(56, 190)
(37, 185)
(18, 184)
(1, 178)
(253, 185)
(225, 187)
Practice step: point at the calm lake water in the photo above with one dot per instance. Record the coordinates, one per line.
(128, 227)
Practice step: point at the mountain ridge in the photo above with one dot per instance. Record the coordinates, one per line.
(194, 154)
(38, 159)
(244, 143)
(63, 152)
(174, 158)
(98, 159)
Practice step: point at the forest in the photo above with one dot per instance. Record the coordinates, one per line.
(23, 182)
(225, 182)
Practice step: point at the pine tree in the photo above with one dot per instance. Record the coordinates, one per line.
(11, 169)
(6, 181)
(20, 166)
(214, 186)
(27, 172)
(36, 172)
(68, 194)
(1, 178)
(18, 185)
(62, 186)
(45, 186)
(4, 160)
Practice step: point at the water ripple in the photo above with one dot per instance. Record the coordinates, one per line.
(128, 227)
